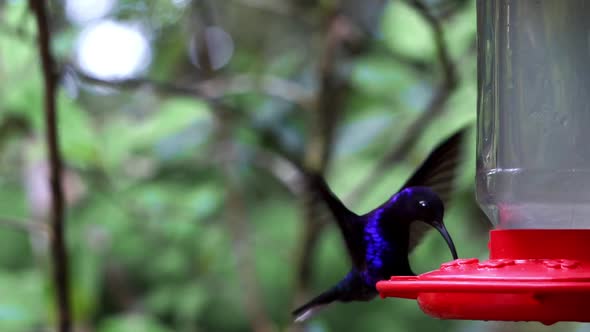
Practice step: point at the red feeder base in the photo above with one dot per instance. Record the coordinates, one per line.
(532, 275)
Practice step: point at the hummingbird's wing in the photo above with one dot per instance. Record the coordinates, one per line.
(350, 224)
(438, 172)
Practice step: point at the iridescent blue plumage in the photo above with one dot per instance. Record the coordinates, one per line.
(378, 250)
(380, 241)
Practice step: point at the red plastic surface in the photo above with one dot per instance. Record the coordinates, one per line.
(532, 275)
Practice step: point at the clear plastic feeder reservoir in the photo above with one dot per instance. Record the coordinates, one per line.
(533, 171)
(533, 157)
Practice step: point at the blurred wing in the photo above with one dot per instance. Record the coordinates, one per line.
(351, 225)
(438, 172)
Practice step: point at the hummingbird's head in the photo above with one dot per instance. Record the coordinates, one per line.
(421, 204)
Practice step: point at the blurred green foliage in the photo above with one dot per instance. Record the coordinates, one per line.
(148, 228)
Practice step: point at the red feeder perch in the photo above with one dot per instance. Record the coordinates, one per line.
(533, 172)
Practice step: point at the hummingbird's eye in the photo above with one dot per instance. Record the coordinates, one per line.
(422, 203)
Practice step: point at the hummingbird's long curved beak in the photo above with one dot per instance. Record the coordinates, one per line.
(445, 234)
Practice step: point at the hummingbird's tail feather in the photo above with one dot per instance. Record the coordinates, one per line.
(307, 313)
(309, 309)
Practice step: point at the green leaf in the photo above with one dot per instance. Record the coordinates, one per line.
(132, 322)
(460, 31)
(170, 263)
(378, 76)
(361, 133)
(172, 116)
(78, 139)
(126, 136)
(22, 305)
(86, 281)
(406, 32)
(161, 300)
(192, 300)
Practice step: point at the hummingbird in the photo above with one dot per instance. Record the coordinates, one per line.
(379, 242)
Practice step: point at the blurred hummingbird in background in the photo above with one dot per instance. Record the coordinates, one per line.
(380, 241)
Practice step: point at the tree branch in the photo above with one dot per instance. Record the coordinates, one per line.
(449, 74)
(239, 231)
(58, 245)
(287, 9)
(244, 254)
(433, 109)
(236, 212)
(22, 225)
(330, 104)
(283, 169)
(276, 7)
(214, 88)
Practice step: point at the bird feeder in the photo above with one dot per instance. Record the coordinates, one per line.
(533, 172)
